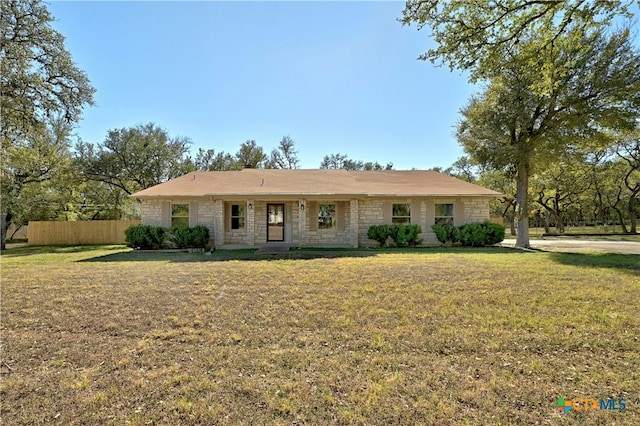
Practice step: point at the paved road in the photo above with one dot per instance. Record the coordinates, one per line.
(581, 246)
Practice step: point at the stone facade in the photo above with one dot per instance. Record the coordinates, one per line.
(353, 218)
(151, 213)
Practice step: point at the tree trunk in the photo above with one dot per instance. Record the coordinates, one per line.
(510, 216)
(559, 223)
(544, 217)
(632, 213)
(5, 222)
(19, 227)
(557, 214)
(621, 219)
(522, 206)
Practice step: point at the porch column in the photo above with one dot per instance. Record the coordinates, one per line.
(302, 222)
(353, 222)
(251, 230)
(218, 222)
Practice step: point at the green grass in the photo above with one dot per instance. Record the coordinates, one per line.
(103, 335)
(584, 232)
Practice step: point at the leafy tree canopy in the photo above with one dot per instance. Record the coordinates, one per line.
(285, 156)
(520, 122)
(250, 155)
(208, 160)
(473, 35)
(342, 161)
(38, 78)
(134, 158)
(42, 94)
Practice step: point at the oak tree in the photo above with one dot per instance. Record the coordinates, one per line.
(520, 122)
(41, 89)
(553, 76)
(134, 158)
(285, 156)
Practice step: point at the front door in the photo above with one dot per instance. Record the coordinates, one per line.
(275, 222)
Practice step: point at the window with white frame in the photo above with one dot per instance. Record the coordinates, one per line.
(237, 216)
(326, 216)
(444, 214)
(179, 214)
(401, 213)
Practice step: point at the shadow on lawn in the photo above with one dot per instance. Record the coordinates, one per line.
(36, 250)
(294, 254)
(625, 262)
(224, 256)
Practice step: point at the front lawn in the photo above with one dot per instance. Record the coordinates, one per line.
(101, 335)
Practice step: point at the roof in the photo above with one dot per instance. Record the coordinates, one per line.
(309, 182)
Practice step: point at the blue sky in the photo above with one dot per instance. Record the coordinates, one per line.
(334, 76)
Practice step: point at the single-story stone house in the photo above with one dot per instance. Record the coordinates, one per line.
(328, 208)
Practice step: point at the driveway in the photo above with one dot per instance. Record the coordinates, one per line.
(581, 246)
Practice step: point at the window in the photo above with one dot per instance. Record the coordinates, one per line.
(444, 214)
(401, 213)
(237, 216)
(326, 216)
(179, 214)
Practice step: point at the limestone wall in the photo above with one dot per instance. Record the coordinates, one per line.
(151, 212)
(359, 215)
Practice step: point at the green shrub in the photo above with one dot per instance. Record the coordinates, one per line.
(145, 237)
(379, 233)
(185, 237)
(470, 234)
(200, 236)
(405, 235)
(495, 233)
(445, 233)
(402, 235)
(179, 235)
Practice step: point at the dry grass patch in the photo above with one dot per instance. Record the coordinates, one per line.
(105, 336)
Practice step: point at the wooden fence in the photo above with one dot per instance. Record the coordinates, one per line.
(78, 233)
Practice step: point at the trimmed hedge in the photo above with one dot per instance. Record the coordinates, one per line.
(147, 237)
(406, 235)
(446, 234)
(379, 233)
(402, 235)
(470, 234)
(185, 237)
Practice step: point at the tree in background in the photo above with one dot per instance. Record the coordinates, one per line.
(38, 184)
(505, 206)
(134, 158)
(628, 150)
(42, 91)
(554, 76)
(517, 125)
(463, 168)
(558, 190)
(285, 156)
(611, 195)
(342, 161)
(208, 161)
(250, 155)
